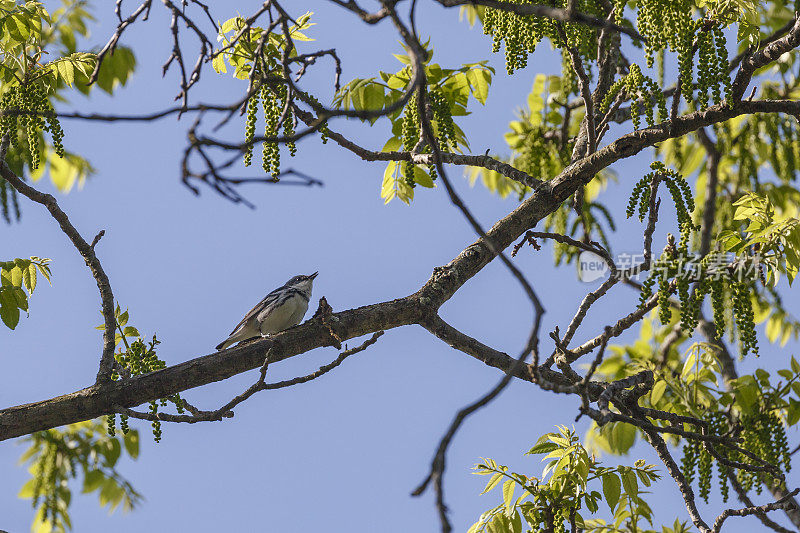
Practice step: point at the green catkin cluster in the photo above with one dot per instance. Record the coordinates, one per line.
(678, 188)
(691, 454)
(718, 425)
(111, 424)
(250, 127)
(640, 89)
(705, 468)
(270, 152)
(698, 463)
(444, 128)
(324, 132)
(744, 316)
(273, 102)
(541, 157)
(712, 65)
(669, 25)
(675, 262)
(664, 310)
(762, 433)
(410, 135)
(140, 358)
(46, 474)
(522, 33)
(782, 145)
(557, 223)
(34, 114)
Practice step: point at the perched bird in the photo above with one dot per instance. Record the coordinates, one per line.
(279, 310)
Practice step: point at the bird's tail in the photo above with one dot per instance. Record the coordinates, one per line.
(239, 335)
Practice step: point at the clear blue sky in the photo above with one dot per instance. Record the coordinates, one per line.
(341, 453)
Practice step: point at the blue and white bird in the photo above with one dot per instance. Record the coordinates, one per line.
(279, 310)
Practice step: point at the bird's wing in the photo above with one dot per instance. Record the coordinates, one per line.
(266, 302)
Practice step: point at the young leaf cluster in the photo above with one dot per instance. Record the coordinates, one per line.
(14, 275)
(57, 456)
(770, 233)
(446, 95)
(571, 489)
(754, 412)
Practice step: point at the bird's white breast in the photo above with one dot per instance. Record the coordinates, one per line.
(287, 315)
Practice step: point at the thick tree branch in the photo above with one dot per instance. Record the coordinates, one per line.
(95, 401)
(763, 57)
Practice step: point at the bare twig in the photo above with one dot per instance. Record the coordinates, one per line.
(759, 509)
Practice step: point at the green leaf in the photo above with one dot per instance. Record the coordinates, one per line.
(611, 489)
(479, 80)
(747, 395)
(9, 312)
(493, 481)
(27, 490)
(543, 447)
(630, 482)
(658, 391)
(131, 440)
(65, 71)
(16, 276)
(422, 178)
(508, 494)
(29, 277)
(112, 452)
(93, 480)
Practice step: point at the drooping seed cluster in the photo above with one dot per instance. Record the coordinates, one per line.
(411, 135)
(522, 33)
(771, 139)
(437, 110)
(678, 188)
(641, 90)
(275, 108)
(541, 157)
(712, 275)
(668, 25)
(761, 432)
(28, 108)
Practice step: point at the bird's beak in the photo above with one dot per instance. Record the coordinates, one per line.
(314, 275)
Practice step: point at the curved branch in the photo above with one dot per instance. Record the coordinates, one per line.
(87, 252)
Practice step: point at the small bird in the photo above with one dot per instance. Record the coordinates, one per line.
(279, 310)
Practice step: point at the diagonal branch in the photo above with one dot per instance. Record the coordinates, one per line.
(763, 57)
(87, 252)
